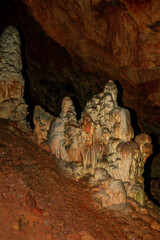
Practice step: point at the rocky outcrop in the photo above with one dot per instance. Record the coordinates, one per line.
(101, 144)
(12, 104)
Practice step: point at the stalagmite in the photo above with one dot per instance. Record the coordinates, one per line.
(12, 103)
(101, 144)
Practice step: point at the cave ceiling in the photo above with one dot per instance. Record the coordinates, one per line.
(74, 47)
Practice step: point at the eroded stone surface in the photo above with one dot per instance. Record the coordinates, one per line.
(11, 81)
(12, 104)
(42, 122)
(10, 50)
(106, 190)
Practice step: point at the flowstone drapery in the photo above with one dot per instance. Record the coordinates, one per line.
(101, 144)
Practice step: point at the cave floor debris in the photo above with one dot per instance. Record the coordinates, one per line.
(37, 202)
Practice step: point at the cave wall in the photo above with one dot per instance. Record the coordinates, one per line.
(48, 69)
(73, 48)
(119, 39)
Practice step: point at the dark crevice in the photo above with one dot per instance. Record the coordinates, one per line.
(27, 95)
(120, 94)
(137, 130)
(147, 169)
(133, 114)
(77, 107)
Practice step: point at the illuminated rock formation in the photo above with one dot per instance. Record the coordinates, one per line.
(58, 139)
(12, 104)
(107, 191)
(101, 144)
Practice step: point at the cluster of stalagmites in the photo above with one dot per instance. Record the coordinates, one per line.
(100, 145)
(12, 104)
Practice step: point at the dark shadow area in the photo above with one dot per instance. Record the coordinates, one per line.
(133, 114)
(136, 128)
(147, 170)
(120, 94)
(134, 121)
(40, 54)
(77, 107)
(26, 96)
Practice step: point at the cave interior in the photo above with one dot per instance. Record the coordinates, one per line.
(72, 52)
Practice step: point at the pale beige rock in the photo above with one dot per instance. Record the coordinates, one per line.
(145, 146)
(72, 140)
(42, 122)
(72, 132)
(68, 113)
(11, 80)
(101, 144)
(121, 162)
(58, 140)
(111, 88)
(121, 127)
(106, 190)
(11, 87)
(7, 107)
(10, 53)
(19, 114)
(87, 140)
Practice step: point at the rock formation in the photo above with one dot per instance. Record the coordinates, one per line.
(115, 38)
(102, 145)
(42, 122)
(12, 104)
(86, 44)
(107, 191)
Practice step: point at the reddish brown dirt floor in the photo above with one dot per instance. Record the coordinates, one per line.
(37, 202)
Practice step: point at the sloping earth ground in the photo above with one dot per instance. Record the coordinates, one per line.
(37, 202)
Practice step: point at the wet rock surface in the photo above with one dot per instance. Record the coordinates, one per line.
(38, 202)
